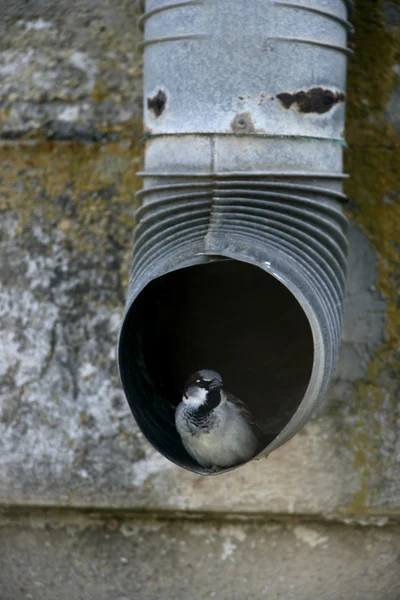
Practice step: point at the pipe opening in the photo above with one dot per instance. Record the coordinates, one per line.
(228, 316)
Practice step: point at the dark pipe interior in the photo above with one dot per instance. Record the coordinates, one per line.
(227, 316)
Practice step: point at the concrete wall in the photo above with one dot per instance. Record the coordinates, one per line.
(70, 126)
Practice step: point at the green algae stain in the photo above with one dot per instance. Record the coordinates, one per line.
(85, 191)
(373, 162)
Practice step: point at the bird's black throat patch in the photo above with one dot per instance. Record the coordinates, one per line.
(212, 401)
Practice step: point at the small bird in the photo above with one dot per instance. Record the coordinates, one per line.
(216, 428)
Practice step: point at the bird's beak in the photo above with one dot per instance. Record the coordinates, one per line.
(216, 384)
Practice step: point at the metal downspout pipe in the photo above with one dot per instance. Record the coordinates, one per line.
(240, 246)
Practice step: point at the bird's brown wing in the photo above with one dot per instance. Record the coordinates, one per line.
(246, 414)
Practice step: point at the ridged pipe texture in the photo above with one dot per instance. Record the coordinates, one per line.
(240, 246)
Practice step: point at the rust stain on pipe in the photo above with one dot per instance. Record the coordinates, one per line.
(157, 103)
(316, 100)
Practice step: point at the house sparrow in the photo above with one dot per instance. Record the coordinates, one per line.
(216, 428)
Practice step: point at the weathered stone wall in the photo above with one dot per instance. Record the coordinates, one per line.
(70, 126)
(153, 560)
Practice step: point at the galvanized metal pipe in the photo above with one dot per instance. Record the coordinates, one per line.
(244, 120)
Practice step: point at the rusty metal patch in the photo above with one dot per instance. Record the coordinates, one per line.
(316, 100)
(157, 103)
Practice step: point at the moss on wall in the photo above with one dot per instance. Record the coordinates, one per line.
(87, 191)
(373, 163)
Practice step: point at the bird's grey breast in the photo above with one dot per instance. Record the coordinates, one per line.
(190, 421)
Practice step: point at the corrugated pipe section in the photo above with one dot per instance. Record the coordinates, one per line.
(240, 246)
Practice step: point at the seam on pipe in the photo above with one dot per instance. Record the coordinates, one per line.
(348, 3)
(200, 36)
(176, 38)
(155, 11)
(310, 174)
(306, 138)
(343, 49)
(317, 11)
(212, 207)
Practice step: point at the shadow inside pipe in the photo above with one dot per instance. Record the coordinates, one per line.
(228, 316)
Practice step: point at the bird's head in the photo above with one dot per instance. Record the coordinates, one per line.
(203, 389)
